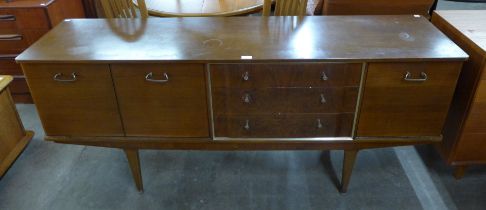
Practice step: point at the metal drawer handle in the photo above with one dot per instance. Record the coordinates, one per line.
(247, 98)
(247, 125)
(408, 77)
(324, 76)
(7, 17)
(319, 124)
(323, 99)
(10, 37)
(149, 78)
(246, 76)
(57, 77)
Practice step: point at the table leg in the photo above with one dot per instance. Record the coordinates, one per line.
(134, 162)
(460, 171)
(348, 164)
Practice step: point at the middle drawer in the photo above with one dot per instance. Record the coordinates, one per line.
(285, 100)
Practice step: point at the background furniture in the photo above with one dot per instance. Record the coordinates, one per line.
(13, 137)
(377, 7)
(124, 9)
(196, 8)
(239, 83)
(285, 7)
(465, 131)
(21, 24)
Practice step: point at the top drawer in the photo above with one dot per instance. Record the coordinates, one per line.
(285, 75)
(25, 18)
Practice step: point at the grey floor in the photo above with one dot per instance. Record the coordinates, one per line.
(55, 176)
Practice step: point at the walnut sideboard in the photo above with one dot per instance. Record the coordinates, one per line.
(244, 83)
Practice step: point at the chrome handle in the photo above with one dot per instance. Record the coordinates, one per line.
(57, 77)
(408, 77)
(149, 78)
(246, 76)
(319, 124)
(7, 17)
(324, 76)
(10, 37)
(247, 125)
(323, 99)
(247, 98)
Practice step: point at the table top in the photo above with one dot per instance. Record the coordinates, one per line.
(188, 8)
(4, 81)
(25, 3)
(240, 39)
(470, 23)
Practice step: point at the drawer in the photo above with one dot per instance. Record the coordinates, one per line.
(17, 42)
(166, 100)
(283, 126)
(285, 75)
(84, 107)
(23, 18)
(395, 106)
(9, 67)
(285, 100)
(19, 86)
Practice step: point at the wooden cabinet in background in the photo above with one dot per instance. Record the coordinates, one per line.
(465, 130)
(21, 24)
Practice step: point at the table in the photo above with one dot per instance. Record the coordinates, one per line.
(244, 83)
(13, 137)
(188, 8)
(465, 140)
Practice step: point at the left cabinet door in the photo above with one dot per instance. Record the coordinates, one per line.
(74, 99)
(162, 100)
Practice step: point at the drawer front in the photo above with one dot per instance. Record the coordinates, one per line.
(84, 107)
(15, 43)
(285, 100)
(174, 108)
(23, 18)
(283, 126)
(285, 75)
(9, 67)
(395, 106)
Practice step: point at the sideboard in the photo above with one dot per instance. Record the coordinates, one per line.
(21, 24)
(244, 83)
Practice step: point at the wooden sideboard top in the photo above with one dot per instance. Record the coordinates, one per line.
(470, 24)
(25, 3)
(227, 39)
(4, 81)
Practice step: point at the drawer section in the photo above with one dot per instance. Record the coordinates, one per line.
(80, 105)
(15, 43)
(166, 100)
(285, 100)
(397, 104)
(284, 126)
(9, 67)
(19, 86)
(23, 18)
(285, 75)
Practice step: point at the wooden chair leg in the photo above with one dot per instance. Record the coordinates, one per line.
(460, 171)
(348, 164)
(134, 162)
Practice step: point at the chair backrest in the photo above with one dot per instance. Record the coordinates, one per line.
(285, 7)
(376, 7)
(123, 8)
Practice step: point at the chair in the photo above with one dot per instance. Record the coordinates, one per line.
(123, 8)
(285, 7)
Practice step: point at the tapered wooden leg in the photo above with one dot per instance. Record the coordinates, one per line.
(348, 164)
(134, 162)
(460, 171)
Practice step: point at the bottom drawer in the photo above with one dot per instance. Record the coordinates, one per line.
(19, 86)
(284, 126)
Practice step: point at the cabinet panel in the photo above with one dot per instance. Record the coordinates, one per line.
(395, 106)
(285, 75)
(167, 100)
(284, 125)
(84, 105)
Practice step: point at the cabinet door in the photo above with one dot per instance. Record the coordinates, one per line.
(84, 105)
(166, 100)
(393, 105)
